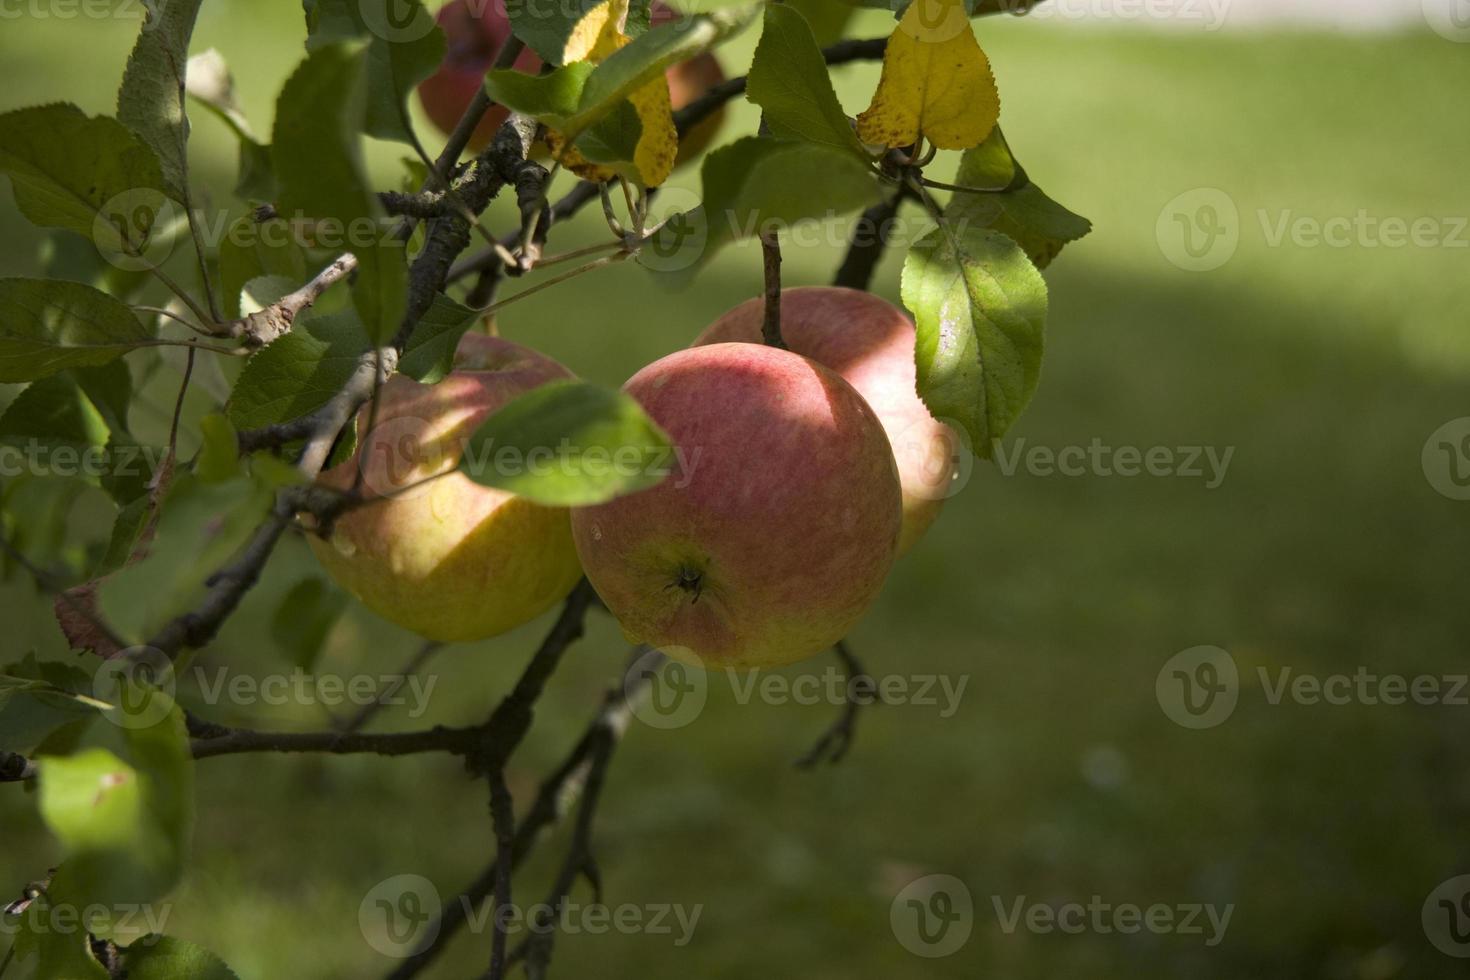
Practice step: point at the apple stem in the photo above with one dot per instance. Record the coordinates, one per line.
(771, 328)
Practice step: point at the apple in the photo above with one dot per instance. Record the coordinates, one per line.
(780, 528)
(476, 30)
(433, 551)
(870, 343)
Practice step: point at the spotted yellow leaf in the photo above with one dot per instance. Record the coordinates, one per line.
(936, 82)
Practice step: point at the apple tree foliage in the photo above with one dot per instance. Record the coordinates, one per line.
(134, 291)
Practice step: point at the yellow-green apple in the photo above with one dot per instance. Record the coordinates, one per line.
(476, 30)
(870, 342)
(778, 531)
(432, 550)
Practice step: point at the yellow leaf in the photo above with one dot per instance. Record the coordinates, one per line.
(658, 143)
(598, 34)
(936, 82)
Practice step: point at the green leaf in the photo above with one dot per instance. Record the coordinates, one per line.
(304, 618)
(201, 526)
(298, 373)
(38, 697)
(319, 165)
(127, 529)
(49, 325)
(980, 307)
(210, 83)
(569, 444)
(404, 47)
(789, 80)
(83, 174)
(546, 27)
(151, 100)
(647, 57)
(156, 957)
(123, 823)
(1022, 212)
(575, 97)
(754, 183)
(552, 98)
(219, 456)
(828, 18)
(429, 354)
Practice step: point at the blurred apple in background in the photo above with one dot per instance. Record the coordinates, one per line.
(476, 30)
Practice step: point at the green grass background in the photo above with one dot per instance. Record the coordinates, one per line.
(1059, 778)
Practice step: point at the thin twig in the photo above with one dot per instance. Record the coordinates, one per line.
(835, 742)
(360, 720)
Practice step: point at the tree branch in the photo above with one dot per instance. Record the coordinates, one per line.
(869, 241)
(554, 796)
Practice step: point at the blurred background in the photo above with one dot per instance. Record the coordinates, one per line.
(1245, 166)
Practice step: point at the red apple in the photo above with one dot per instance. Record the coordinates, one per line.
(435, 552)
(779, 530)
(476, 31)
(870, 343)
